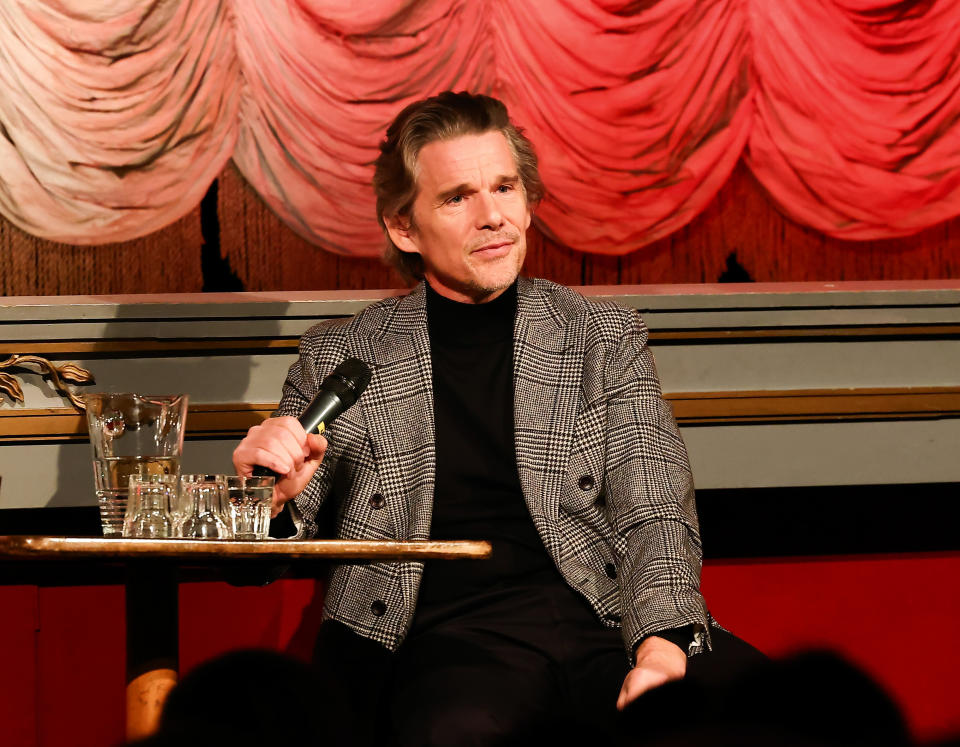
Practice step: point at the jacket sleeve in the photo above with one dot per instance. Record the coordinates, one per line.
(650, 498)
(299, 389)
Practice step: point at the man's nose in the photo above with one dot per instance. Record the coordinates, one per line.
(488, 212)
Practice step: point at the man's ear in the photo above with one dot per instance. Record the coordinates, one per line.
(402, 233)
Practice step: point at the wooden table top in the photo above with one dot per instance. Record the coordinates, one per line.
(42, 547)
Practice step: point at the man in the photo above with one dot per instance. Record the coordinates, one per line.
(499, 408)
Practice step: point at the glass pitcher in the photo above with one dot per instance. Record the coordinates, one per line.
(132, 434)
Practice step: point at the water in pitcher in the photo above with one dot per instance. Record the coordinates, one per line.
(111, 477)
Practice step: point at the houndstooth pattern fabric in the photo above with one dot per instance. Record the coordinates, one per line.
(603, 468)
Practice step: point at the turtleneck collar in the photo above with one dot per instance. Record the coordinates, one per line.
(466, 324)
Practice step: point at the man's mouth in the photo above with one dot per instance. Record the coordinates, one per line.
(494, 248)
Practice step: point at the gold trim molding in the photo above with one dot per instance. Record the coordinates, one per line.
(80, 348)
(232, 420)
(815, 405)
(63, 424)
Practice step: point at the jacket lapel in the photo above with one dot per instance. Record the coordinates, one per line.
(548, 356)
(398, 406)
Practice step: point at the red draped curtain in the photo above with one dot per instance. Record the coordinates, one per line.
(116, 117)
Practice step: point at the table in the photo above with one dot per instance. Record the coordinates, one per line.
(151, 589)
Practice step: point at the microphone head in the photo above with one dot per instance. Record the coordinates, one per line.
(348, 380)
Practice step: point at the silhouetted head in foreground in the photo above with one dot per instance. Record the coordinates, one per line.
(249, 697)
(806, 700)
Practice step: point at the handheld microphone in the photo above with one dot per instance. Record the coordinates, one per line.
(337, 392)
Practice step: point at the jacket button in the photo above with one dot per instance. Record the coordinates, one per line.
(586, 482)
(377, 501)
(378, 608)
(611, 570)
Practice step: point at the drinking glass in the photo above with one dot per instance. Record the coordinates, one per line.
(201, 507)
(148, 506)
(249, 500)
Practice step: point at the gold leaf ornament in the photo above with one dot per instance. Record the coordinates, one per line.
(76, 374)
(57, 375)
(11, 387)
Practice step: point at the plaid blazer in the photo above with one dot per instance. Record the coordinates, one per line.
(602, 464)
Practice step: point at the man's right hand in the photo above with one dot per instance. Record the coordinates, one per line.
(282, 445)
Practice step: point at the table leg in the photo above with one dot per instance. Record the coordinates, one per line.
(152, 643)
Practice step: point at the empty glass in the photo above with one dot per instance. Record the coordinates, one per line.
(149, 501)
(201, 509)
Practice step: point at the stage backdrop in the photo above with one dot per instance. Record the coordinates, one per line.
(115, 120)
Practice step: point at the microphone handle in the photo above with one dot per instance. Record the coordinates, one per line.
(322, 410)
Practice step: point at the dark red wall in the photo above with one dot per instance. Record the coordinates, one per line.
(894, 615)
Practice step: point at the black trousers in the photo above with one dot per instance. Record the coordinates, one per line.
(518, 666)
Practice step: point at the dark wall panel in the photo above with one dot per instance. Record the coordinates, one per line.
(163, 262)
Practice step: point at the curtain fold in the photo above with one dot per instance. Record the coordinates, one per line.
(321, 86)
(639, 117)
(857, 132)
(116, 117)
(112, 124)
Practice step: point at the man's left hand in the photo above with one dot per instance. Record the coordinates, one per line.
(658, 661)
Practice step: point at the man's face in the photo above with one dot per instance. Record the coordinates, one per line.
(469, 218)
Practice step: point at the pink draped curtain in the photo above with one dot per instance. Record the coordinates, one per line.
(116, 117)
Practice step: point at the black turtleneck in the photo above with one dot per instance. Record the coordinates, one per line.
(477, 493)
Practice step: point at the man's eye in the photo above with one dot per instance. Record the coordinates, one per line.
(505, 188)
(455, 200)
